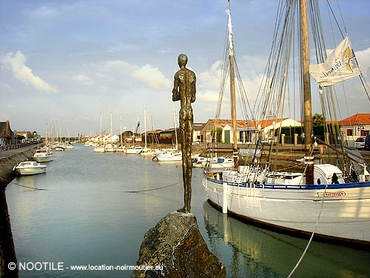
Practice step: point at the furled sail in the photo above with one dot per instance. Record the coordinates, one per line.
(340, 65)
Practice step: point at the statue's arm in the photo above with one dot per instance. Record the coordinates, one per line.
(194, 89)
(175, 90)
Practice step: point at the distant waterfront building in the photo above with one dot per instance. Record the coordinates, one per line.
(246, 129)
(6, 134)
(29, 136)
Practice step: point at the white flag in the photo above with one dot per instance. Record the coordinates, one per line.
(340, 65)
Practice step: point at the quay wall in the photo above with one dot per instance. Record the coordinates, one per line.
(8, 160)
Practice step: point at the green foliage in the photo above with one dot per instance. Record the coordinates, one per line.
(217, 134)
(318, 130)
(318, 119)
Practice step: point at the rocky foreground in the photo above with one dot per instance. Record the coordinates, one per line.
(175, 248)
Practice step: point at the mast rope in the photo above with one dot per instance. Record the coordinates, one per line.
(223, 77)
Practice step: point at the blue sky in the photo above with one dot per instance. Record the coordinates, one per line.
(65, 61)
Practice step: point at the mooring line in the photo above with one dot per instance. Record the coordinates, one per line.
(314, 230)
(152, 189)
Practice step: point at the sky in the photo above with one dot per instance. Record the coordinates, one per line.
(65, 62)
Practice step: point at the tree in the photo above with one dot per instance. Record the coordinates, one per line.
(318, 119)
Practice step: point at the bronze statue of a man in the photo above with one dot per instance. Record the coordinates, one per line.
(184, 90)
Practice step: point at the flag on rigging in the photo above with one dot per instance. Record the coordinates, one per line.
(340, 65)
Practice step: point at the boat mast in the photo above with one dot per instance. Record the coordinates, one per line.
(232, 88)
(306, 90)
(46, 133)
(145, 147)
(111, 128)
(120, 128)
(101, 129)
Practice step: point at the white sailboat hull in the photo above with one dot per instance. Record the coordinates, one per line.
(213, 163)
(134, 150)
(344, 215)
(169, 157)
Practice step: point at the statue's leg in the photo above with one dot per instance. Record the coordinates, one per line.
(183, 162)
(188, 164)
(186, 140)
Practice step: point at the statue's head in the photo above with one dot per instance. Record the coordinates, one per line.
(182, 60)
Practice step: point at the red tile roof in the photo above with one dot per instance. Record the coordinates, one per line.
(359, 118)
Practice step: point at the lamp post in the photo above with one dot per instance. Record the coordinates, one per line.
(360, 127)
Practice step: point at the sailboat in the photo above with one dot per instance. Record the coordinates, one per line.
(111, 146)
(121, 147)
(44, 154)
(320, 201)
(99, 147)
(170, 155)
(135, 149)
(146, 151)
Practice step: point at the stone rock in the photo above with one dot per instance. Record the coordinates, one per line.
(177, 249)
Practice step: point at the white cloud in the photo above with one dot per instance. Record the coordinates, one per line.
(83, 79)
(152, 77)
(211, 78)
(363, 57)
(209, 96)
(16, 63)
(114, 64)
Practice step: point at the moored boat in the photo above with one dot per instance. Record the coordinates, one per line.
(59, 148)
(43, 155)
(99, 149)
(321, 201)
(110, 148)
(169, 156)
(134, 149)
(213, 162)
(29, 168)
(68, 146)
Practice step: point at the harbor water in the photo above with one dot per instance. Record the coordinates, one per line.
(87, 216)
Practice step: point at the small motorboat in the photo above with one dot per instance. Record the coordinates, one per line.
(29, 168)
(43, 155)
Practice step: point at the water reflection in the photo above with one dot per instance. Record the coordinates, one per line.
(257, 252)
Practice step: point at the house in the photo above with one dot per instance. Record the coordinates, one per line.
(6, 134)
(197, 132)
(355, 126)
(246, 129)
(152, 136)
(169, 136)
